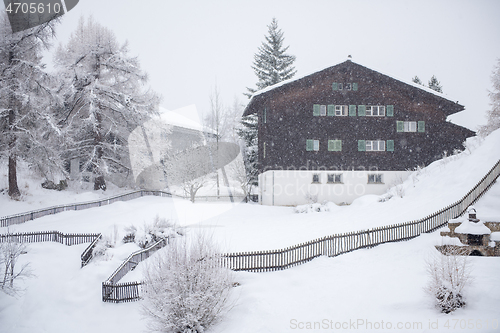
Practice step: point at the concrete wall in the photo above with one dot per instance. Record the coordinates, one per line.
(296, 187)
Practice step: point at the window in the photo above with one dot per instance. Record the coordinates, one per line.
(347, 86)
(374, 145)
(409, 126)
(322, 110)
(312, 145)
(316, 178)
(375, 179)
(335, 178)
(375, 110)
(334, 145)
(341, 110)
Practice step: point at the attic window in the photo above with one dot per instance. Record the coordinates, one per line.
(347, 86)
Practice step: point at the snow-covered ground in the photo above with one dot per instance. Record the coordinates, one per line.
(372, 285)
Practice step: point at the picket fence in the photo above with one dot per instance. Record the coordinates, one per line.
(48, 236)
(115, 292)
(334, 245)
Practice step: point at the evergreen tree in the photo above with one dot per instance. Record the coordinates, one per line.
(27, 122)
(493, 114)
(248, 132)
(105, 101)
(272, 64)
(417, 80)
(434, 84)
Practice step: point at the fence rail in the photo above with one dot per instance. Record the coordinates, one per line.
(334, 245)
(115, 292)
(48, 236)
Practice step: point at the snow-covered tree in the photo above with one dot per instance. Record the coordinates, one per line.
(272, 64)
(248, 132)
(10, 272)
(449, 275)
(434, 84)
(494, 113)
(417, 80)
(105, 99)
(27, 98)
(186, 289)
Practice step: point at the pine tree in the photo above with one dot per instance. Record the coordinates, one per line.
(248, 132)
(272, 64)
(27, 122)
(434, 84)
(105, 99)
(417, 80)
(493, 114)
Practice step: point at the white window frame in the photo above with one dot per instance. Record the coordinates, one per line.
(341, 110)
(322, 110)
(375, 110)
(409, 126)
(315, 145)
(374, 145)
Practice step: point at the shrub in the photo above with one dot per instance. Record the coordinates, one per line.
(449, 274)
(161, 228)
(186, 289)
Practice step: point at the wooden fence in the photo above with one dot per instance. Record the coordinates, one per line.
(48, 236)
(24, 217)
(115, 292)
(334, 245)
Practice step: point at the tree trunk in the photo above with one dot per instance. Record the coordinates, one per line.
(14, 192)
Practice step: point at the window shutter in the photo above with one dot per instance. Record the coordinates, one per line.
(390, 145)
(352, 110)
(355, 86)
(331, 145)
(335, 86)
(338, 145)
(362, 110)
(316, 109)
(389, 111)
(309, 145)
(265, 115)
(361, 145)
(421, 126)
(400, 126)
(331, 110)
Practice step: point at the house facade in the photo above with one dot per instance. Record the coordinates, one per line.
(346, 131)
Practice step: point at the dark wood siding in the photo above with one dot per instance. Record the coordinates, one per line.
(289, 122)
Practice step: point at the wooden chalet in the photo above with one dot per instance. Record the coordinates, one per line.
(347, 128)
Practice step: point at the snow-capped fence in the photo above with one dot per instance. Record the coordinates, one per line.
(24, 217)
(48, 236)
(334, 245)
(115, 292)
(88, 253)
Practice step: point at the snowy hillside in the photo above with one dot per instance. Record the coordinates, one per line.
(372, 285)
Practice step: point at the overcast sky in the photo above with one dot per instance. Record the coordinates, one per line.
(187, 47)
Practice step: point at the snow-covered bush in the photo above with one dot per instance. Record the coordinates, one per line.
(130, 234)
(9, 255)
(161, 228)
(186, 289)
(449, 274)
(101, 247)
(315, 208)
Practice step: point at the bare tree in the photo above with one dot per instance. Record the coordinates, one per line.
(239, 173)
(186, 289)
(9, 255)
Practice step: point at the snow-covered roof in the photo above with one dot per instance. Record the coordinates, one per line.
(472, 228)
(411, 83)
(185, 117)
